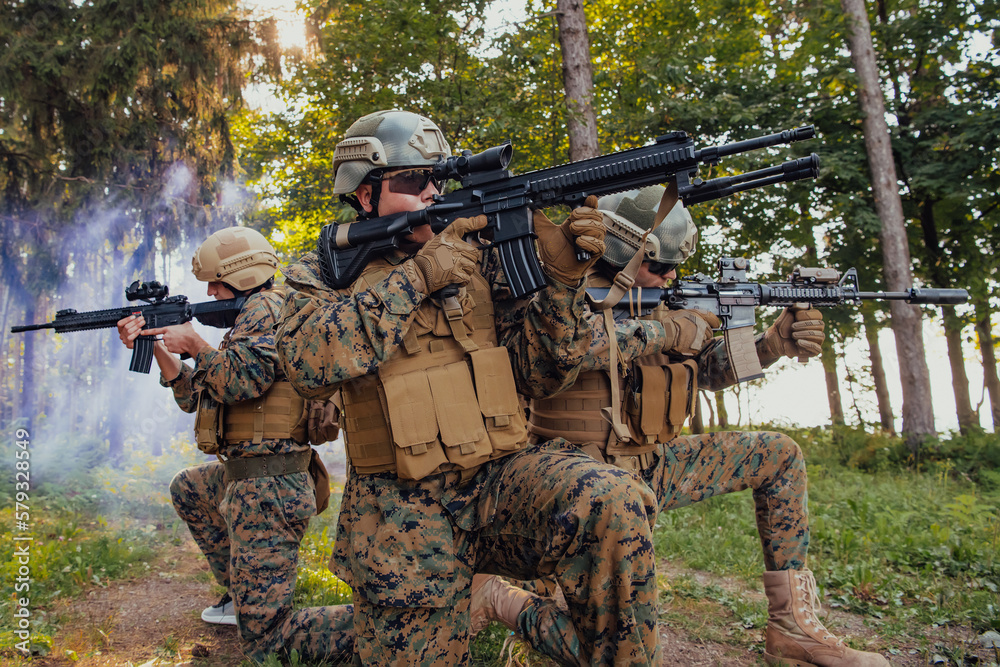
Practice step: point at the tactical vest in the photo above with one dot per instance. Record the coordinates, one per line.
(445, 401)
(657, 397)
(279, 414)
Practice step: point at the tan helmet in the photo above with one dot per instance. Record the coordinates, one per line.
(385, 139)
(629, 214)
(238, 256)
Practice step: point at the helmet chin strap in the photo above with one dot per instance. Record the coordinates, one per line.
(253, 290)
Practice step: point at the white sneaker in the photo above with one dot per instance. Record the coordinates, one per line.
(223, 613)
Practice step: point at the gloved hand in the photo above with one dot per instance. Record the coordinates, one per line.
(558, 244)
(688, 331)
(796, 333)
(447, 259)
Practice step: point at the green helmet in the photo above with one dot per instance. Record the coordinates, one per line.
(385, 140)
(629, 214)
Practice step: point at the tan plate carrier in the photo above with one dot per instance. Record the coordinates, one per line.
(446, 401)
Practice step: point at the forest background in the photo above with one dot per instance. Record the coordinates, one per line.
(126, 137)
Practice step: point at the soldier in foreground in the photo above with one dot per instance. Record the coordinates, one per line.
(249, 512)
(442, 482)
(657, 394)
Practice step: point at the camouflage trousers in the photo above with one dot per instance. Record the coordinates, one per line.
(196, 493)
(267, 518)
(550, 510)
(691, 468)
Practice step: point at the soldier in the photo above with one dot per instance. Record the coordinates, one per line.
(441, 481)
(249, 512)
(657, 392)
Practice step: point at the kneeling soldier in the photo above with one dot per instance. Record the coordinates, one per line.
(249, 512)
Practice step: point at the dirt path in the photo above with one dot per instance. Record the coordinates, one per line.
(157, 615)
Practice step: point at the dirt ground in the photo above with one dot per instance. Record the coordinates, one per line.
(155, 619)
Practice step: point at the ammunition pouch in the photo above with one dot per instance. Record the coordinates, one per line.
(208, 424)
(279, 414)
(657, 401)
(444, 402)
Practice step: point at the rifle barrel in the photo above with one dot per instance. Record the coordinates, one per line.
(922, 296)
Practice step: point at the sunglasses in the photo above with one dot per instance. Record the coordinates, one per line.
(411, 182)
(660, 268)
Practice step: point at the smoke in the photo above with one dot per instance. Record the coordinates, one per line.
(89, 403)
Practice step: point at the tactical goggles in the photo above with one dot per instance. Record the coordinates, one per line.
(411, 181)
(660, 268)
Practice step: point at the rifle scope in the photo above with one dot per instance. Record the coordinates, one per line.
(459, 166)
(147, 291)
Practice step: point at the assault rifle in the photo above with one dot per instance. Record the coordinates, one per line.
(488, 188)
(734, 301)
(158, 309)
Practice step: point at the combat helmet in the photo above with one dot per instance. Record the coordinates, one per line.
(240, 257)
(383, 141)
(629, 214)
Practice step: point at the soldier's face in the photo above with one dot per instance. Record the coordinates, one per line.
(220, 291)
(648, 279)
(390, 202)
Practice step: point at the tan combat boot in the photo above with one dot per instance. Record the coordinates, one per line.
(795, 637)
(493, 599)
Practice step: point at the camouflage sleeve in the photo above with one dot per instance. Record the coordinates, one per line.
(246, 367)
(714, 370)
(548, 334)
(326, 337)
(636, 338)
(183, 388)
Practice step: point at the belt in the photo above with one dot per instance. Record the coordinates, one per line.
(274, 465)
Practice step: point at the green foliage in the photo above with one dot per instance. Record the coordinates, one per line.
(72, 548)
(911, 542)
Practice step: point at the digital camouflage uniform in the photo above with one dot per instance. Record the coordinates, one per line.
(266, 516)
(688, 469)
(197, 493)
(409, 548)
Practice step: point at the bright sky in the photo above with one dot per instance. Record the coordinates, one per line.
(792, 393)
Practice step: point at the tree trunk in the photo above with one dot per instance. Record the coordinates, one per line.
(829, 359)
(918, 413)
(968, 418)
(878, 372)
(720, 407)
(985, 333)
(697, 419)
(26, 405)
(578, 79)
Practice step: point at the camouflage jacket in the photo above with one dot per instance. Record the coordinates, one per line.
(714, 370)
(243, 368)
(327, 337)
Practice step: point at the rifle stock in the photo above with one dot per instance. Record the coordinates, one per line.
(506, 200)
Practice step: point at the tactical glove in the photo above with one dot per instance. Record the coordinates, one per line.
(558, 244)
(796, 333)
(688, 331)
(447, 259)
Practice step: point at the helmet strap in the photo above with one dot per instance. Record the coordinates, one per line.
(352, 199)
(267, 284)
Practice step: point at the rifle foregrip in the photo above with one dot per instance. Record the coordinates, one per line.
(928, 296)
